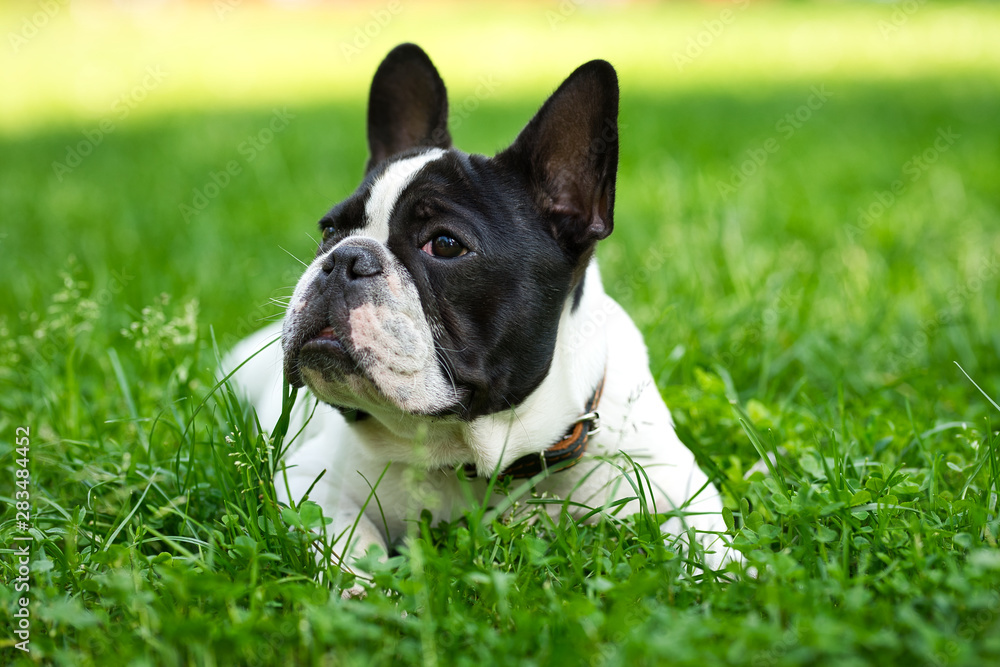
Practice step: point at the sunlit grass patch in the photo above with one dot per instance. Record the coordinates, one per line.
(794, 301)
(92, 60)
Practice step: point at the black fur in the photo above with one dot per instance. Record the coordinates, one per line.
(407, 105)
(529, 217)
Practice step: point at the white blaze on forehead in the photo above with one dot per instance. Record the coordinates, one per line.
(381, 200)
(391, 338)
(386, 190)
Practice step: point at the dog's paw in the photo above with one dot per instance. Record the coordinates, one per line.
(355, 592)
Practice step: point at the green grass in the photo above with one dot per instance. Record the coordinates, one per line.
(776, 322)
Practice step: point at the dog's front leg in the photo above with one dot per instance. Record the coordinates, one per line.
(350, 532)
(352, 535)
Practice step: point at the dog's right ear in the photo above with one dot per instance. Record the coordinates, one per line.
(407, 106)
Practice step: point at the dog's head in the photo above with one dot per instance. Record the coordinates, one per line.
(439, 283)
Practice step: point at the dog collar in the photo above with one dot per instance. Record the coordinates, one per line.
(565, 453)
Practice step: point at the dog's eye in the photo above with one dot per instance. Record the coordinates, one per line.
(444, 246)
(328, 233)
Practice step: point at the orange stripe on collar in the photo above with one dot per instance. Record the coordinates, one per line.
(565, 453)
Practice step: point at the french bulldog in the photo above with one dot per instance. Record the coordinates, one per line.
(452, 331)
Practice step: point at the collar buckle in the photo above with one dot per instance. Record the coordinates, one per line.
(567, 451)
(594, 417)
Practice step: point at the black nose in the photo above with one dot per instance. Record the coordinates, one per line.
(353, 261)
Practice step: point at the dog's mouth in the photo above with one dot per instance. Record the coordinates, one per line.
(326, 339)
(324, 351)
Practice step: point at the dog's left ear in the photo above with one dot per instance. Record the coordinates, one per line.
(569, 153)
(407, 106)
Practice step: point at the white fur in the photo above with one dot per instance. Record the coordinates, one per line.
(299, 301)
(419, 455)
(391, 337)
(386, 190)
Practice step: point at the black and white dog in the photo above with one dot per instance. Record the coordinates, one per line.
(453, 327)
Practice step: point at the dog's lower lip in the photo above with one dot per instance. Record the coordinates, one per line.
(326, 341)
(328, 335)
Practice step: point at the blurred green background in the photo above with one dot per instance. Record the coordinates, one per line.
(808, 225)
(188, 148)
(118, 122)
